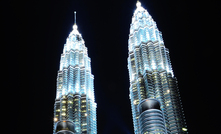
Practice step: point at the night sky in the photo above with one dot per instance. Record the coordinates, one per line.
(35, 34)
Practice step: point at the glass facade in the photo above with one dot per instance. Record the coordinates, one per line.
(151, 74)
(75, 107)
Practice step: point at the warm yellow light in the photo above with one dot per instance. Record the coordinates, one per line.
(135, 102)
(184, 129)
(168, 91)
(55, 119)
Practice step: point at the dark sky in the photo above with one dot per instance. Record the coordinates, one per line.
(36, 32)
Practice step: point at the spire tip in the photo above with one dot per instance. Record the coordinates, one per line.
(138, 4)
(75, 25)
(75, 17)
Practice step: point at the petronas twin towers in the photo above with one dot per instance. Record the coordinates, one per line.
(155, 101)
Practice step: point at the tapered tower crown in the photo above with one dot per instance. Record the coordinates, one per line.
(151, 75)
(75, 107)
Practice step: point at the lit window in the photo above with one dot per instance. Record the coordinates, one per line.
(55, 119)
(84, 124)
(184, 129)
(135, 102)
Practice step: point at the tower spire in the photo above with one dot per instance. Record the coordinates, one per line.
(138, 4)
(75, 25)
(75, 17)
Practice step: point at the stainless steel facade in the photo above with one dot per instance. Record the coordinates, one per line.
(151, 118)
(74, 101)
(151, 74)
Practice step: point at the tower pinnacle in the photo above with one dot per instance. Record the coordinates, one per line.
(75, 17)
(138, 4)
(75, 27)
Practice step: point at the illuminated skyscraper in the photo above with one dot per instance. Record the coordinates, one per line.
(75, 107)
(151, 74)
